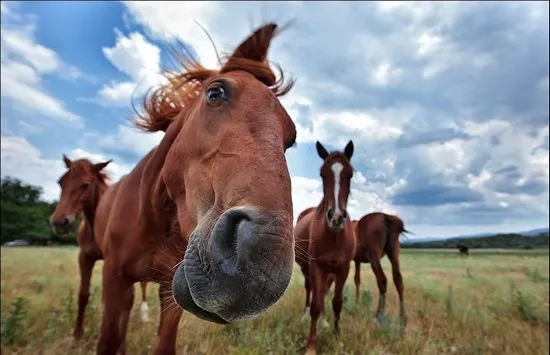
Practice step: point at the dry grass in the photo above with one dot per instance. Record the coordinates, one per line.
(498, 305)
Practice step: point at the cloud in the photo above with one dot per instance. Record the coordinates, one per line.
(436, 97)
(20, 159)
(447, 103)
(24, 63)
(138, 59)
(435, 195)
(21, 84)
(130, 140)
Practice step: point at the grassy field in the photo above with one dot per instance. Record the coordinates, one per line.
(495, 302)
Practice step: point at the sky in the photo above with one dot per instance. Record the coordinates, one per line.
(447, 103)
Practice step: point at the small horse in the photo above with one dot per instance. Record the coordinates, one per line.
(81, 189)
(207, 213)
(463, 249)
(325, 243)
(378, 235)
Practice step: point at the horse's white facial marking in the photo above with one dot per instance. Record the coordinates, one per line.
(337, 170)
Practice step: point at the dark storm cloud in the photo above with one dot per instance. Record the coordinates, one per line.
(434, 195)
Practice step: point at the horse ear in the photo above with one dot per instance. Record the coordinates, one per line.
(254, 47)
(348, 151)
(67, 161)
(96, 168)
(321, 150)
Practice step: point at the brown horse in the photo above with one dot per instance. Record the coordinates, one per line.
(81, 189)
(325, 243)
(207, 213)
(378, 235)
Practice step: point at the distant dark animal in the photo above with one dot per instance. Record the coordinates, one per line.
(325, 243)
(463, 249)
(378, 235)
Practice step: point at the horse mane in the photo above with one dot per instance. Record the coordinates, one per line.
(103, 178)
(163, 104)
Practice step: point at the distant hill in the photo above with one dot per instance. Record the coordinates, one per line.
(500, 241)
(529, 233)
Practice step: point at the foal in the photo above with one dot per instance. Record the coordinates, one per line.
(325, 243)
(377, 235)
(81, 189)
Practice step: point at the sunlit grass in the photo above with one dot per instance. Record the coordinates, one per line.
(498, 303)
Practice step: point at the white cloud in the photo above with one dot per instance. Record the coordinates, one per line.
(24, 62)
(176, 20)
(21, 43)
(133, 55)
(385, 74)
(306, 193)
(20, 159)
(116, 94)
(136, 57)
(339, 127)
(428, 43)
(21, 84)
(130, 139)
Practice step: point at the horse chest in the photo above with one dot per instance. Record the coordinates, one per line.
(332, 260)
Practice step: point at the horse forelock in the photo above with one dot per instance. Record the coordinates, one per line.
(83, 167)
(184, 85)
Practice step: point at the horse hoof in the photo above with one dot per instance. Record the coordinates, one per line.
(381, 320)
(77, 337)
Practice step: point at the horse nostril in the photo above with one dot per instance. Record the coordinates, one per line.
(329, 213)
(65, 222)
(344, 214)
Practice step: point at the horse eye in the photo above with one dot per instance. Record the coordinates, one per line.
(83, 185)
(214, 94)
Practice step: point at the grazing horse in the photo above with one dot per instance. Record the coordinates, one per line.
(207, 213)
(82, 186)
(463, 249)
(325, 243)
(378, 235)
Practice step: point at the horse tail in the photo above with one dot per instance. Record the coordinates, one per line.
(395, 224)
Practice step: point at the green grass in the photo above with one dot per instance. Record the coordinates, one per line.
(494, 302)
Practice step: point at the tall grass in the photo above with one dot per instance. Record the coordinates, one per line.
(490, 303)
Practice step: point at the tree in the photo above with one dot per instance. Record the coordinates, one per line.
(23, 214)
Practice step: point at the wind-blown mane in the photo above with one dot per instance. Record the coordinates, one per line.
(164, 103)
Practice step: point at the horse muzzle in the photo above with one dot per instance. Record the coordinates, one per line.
(239, 270)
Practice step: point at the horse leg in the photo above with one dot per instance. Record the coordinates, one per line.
(144, 310)
(357, 280)
(327, 281)
(382, 285)
(86, 266)
(338, 298)
(115, 294)
(330, 280)
(127, 301)
(308, 293)
(169, 318)
(393, 255)
(316, 309)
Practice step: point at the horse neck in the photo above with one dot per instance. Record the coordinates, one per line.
(154, 200)
(98, 189)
